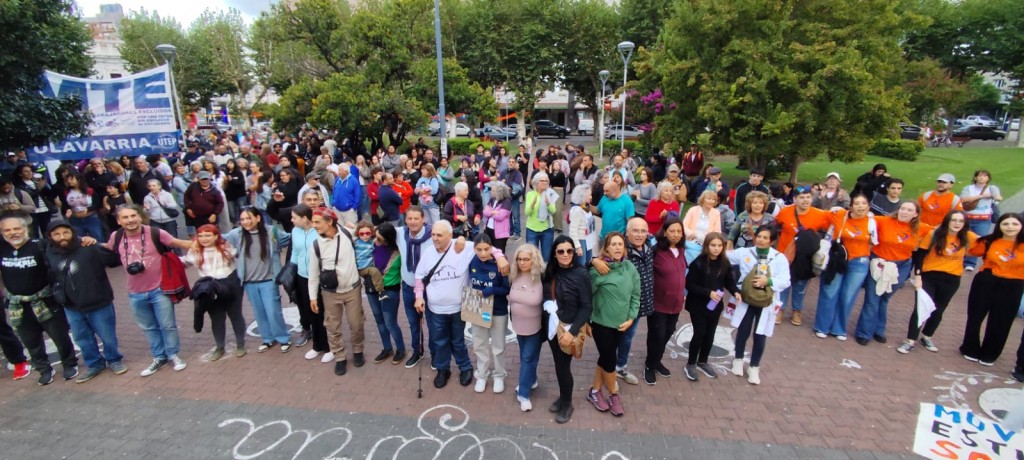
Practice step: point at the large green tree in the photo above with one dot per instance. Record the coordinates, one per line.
(783, 80)
(40, 35)
(589, 49)
(642, 20)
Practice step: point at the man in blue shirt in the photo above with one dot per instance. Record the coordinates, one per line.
(615, 209)
(348, 195)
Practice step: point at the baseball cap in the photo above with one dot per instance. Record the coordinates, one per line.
(312, 176)
(947, 177)
(204, 175)
(835, 174)
(714, 170)
(674, 168)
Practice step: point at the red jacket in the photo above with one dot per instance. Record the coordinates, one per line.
(669, 280)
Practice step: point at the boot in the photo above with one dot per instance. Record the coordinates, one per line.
(755, 377)
(797, 318)
(737, 367)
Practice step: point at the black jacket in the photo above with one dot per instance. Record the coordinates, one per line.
(138, 184)
(700, 284)
(573, 295)
(80, 273)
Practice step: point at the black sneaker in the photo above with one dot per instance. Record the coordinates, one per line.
(442, 378)
(564, 414)
(46, 376)
(662, 370)
(707, 370)
(70, 372)
(399, 356)
(649, 377)
(382, 356)
(465, 378)
(413, 360)
(358, 360)
(1018, 375)
(555, 406)
(881, 339)
(862, 341)
(340, 368)
(691, 372)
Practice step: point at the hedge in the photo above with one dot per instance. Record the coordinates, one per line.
(466, 146)
(901, 149)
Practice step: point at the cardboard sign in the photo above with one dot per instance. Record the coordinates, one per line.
(947, 433)
(477, 309)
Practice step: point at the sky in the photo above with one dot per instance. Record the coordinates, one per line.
(185, 11)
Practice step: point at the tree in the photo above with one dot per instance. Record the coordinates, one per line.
(643, 19)
(198, 75)
(40, 35)
(930, 88)
(783, 80)
(589, 49)
(225, 36)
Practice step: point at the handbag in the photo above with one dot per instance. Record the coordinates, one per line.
(328, 278)
(974, 204)
(995, 212)
(171, 212)
(757, 297)
(287, 278)
(837, 255)
(575, 348)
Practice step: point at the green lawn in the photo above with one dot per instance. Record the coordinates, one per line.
(1006, 165)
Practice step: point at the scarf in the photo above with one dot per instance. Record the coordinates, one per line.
(412, 247)
(39, 308)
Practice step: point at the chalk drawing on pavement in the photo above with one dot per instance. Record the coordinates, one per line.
(291, 318)
(442, 434)
(722, 350)
(955, 392)
(850, 364)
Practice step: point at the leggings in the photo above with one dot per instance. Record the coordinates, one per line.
(563, 371)
(660, 327)
(607, 341)
(233, 311)
(705, 323)
(312, 322)
(748, 325)
(940, 287)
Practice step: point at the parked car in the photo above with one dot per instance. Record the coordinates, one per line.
(549, 128)
(616, 132)
(980, 132)
(585, 127)
(514, 127)
(979, 120)
(495, 132)
(460, 129)
(910, 132)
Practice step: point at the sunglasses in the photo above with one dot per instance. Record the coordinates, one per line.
(563, 252)
(365, 233)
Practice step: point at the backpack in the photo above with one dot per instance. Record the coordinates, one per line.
(173, 280)
(757, 297)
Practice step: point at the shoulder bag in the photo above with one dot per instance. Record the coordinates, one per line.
(757, 297)
(974, 204)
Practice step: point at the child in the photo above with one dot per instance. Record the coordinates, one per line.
(218, 291)
(364, 258)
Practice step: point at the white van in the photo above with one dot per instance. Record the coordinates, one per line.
(585, 127)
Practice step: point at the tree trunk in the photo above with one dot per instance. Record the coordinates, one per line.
(794, 169)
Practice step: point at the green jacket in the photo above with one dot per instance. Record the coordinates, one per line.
(616, 295)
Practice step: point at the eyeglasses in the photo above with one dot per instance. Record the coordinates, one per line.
(563, 252)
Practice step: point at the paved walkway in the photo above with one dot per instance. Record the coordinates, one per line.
(820, 398)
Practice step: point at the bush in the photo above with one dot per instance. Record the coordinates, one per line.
(612, 147)
(465, 146)
(905, 150)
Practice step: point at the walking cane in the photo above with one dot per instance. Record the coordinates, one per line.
(419, 391)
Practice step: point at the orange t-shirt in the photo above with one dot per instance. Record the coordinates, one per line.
(814, 219)
(896, 240)
(934, 207)
(1002, 259)
(952, 259)
(856, 234)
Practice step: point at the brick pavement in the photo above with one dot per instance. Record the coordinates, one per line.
(838, 399)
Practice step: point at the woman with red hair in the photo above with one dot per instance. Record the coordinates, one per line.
(218, 291)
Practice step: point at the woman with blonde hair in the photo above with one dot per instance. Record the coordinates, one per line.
(525, 299)
(701, 220)
(755, 214)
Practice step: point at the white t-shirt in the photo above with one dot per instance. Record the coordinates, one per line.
(444, 291)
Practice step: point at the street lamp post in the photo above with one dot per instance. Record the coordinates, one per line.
(604, 74)
(169, 52)
(442, 129)
(626, 51)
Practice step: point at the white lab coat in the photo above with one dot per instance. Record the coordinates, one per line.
(746, 258)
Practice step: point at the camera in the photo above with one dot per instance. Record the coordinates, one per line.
(135, 268)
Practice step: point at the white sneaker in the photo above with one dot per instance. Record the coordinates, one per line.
(179, 364)
(524, 404)
(737, 367)
(820, 335)
(327, 357)
(481, 385)
(499, 385)
(312, 354)
(755, 377)
(532, 387)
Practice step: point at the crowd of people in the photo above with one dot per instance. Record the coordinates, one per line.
(420, 233)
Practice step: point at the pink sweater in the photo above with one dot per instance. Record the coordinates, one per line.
(524, 304)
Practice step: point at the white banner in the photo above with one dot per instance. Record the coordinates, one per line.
(132, 116)
(945, 433)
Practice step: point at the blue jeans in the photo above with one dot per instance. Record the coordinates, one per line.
(542, 240)
(797, 290)
(88, 226)
(981, 228)
(529, 356)
(516, 228)
(155, 314)
(266, 304)
(86, 326)
(585, 258)
(414, 317)
(386, 316)
(625, 343)
(448, 338)
(876, 307)
(835, 300)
